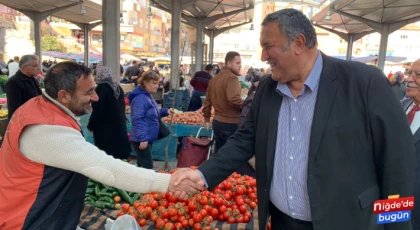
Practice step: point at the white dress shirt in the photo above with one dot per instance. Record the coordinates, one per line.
(13, 68)
(415, 125)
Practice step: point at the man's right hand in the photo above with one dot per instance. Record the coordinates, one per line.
(185, 182)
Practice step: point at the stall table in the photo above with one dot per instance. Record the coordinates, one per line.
(93, 218)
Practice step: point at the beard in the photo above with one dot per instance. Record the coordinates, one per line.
(80, 108)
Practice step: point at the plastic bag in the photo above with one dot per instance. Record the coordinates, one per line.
(124, 222)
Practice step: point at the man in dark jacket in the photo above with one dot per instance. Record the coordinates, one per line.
(23, 85)
(200, 82)
(133, 73)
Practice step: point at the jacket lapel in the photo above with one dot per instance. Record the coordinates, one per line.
(273, 117)
(327, 90)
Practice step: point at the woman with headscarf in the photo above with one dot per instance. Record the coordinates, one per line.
(398, 85)
(108, 120)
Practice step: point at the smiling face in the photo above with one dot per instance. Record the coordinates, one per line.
(413, 82)
(81, 102)
(278, 53)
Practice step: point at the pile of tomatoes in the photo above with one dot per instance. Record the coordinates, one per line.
(232, 201)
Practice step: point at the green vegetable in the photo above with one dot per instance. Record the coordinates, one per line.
(131, 194)
(91, 184)
(124, 195)
(94, 198)
(135, 197)
(97, 190)
(101, 194)
(88, 199)
(243, 85)
(103, 204)
(90, 190)
(115, 194)
(106, 199)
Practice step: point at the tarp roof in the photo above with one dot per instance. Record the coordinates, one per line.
(72, 14)
(358, 16)
(227, 12)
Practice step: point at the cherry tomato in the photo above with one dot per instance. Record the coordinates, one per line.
(169, 226)
(178, 226)
(141, 222)
(214, 212)
(197, 218)
(125, 207)
(203, 212)
(203, 200)
(197, 226)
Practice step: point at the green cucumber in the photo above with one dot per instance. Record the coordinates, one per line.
(91, 184)
(90, 191)
(134, 198)
(115, 193)
(97, 190)
(107, 199)
(104, 204)
(131, 194)
(91, 197)
(124, 195)
(88, 199)
(101, 194)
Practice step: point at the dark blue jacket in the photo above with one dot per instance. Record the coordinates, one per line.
(144, 116)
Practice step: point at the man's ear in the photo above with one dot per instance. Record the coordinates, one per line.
(63, 97)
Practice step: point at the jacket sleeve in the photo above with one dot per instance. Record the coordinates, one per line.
(207, 105)
(139, 119)
(193, 81)
(14, 97)
(163, 112)
(237, 151)
(393, 147)
(98, 108)
(233, 94)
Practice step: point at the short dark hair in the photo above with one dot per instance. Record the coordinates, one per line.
(64, 76)
(209, 67)
(230, 56)
(134, 62)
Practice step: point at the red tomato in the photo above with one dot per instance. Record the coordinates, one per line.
(160, 224)
(203, 200)
(121, 213)
(231, 220)
(172, 212)
(197, 218)
(246, 219)
(178, 226)
(218, 201)
(227, 196)
(242, 209)
(203, 212)
(169, 226)
(154, 204)
(191, 222)
(253, 205)
(172, 198)
(174, 218)
(184, 223)
(141, 222)
(222, 209)
(192, 206)
(125, 207)
(248, 214)
(252, 196)
(214, 212)
(227, 185)
(240, 219)
(148, 210)
(197, 226)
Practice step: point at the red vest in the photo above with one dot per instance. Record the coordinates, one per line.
(33, 195)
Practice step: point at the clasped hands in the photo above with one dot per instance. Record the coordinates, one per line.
(185, 182)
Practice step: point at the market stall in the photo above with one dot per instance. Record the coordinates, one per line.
(231, 205)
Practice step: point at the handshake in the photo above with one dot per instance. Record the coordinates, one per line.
(185, 182)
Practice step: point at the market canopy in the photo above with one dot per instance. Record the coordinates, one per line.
(82, 12)
(364, 16)
(217, 13)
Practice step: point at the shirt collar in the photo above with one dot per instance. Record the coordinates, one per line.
(62, 107)
(312, 81)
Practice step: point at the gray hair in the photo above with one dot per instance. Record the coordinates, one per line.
(64, 76)
(291, 23)
(26, 59)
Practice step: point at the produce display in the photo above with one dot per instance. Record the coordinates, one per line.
(232, 201)
(103, 196)
(188, 118)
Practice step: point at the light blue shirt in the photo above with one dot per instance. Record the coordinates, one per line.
(289, 192)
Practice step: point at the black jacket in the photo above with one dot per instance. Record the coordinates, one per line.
(19, 89)
(354, 155)
(108, 123)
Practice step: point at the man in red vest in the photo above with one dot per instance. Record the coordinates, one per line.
(45, 160)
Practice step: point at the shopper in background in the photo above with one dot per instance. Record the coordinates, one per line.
(200, 82)
(13, 66)
(398, 84)
(133, 73)
(108, 120)
(23, 85)
(145, 116)
(224, 95)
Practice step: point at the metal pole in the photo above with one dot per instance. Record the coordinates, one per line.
(86, 43)
(111, 36)
(37, 34)
(199, 46)
(175, 27)
(211, 49)
(350, 46)
(382, 46)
